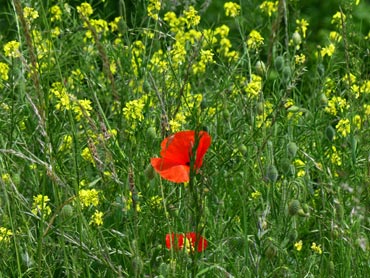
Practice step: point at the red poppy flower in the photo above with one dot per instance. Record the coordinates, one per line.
(189, 240)
(174, 164)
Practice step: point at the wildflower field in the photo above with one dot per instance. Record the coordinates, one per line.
(161, 138)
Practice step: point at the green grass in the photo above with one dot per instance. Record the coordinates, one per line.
(83, 110)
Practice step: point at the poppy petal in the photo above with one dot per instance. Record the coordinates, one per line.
(193, 238)
(170, 171)
(176, 241)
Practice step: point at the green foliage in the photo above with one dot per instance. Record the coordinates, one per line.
(88, 93)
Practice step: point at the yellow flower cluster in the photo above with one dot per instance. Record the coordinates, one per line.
(30, 14)
(56, 13)
(153, 9)
(11, 49)
(232, 9)
(255, 40)
(4, 70)
(336, 104)
(298, 245)
(5, 235)
(66, 101)
(343, 127)
(133, 111)
(97, 218)
(85, 10)
(269, 7)
(254, 87)
(316, 248)
(40, 205)
(88, 197)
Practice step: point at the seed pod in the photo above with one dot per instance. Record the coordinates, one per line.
(272, 173)
(137, 265)
(292, 149)
(294, 206)
(279, 63)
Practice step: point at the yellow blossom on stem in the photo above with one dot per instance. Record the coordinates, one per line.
(5, 235)
(316, 248)
(343, 127)
(302, 26)
(11, 49)
(255, 40)
(97, 218)
(4, 70)
(232, 9)
(269, 7)
(56, 13)
(85, 10)
(298, 245)
(88, 197)
(328, 50)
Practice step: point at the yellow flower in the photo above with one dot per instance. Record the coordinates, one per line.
(232, 9)
(255, 40)
(4, 70)
(30, 14)
(338, 18)
(153, 9)
(316, 248)
(343, 127)
(85, 10)
(269, 7)
(5, 235)
(256, 194)
(191, 17)
(298, 245)
(328, 50)
(97, 218)
(302, 26)
(11, 49)
(88, 197)
(86, 155)
(299, 59)
(40, 205)
(56, 13)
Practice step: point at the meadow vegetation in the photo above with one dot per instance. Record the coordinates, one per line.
(89, 91)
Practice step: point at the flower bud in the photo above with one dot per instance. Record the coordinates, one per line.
(294, 206)
(330, 132)
(297, 40)
(260, 68)
(242, 148)
(272, 173)
(292, 149)
(279, 63)
(66, 212)
(323, 99)
(287, 73)
(151, 133)
(271, 251)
